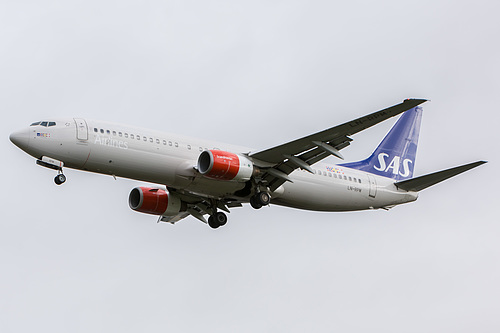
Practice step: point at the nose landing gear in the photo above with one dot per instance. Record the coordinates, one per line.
(54, 164)
(60, 179)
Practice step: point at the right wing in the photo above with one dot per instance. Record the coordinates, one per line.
(282, 160)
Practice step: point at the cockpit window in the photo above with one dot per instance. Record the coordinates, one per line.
(44, 123)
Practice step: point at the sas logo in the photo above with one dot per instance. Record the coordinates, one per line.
(394, 165)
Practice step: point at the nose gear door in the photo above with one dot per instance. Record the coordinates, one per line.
(82, 132)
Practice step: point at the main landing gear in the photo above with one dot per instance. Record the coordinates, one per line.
(260, 199)
(218, 219)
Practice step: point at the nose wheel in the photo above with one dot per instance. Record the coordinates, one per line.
(60, 179)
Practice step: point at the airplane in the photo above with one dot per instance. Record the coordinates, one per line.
(199, 178)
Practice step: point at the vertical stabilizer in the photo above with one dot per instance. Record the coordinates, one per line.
(395, 156)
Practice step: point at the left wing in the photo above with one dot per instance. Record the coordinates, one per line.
(279, 161)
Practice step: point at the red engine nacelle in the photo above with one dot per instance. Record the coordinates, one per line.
(154, 201)
(223, 165)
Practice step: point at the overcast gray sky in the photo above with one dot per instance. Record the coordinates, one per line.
(75, 258)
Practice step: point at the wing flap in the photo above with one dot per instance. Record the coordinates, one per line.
(423, 182)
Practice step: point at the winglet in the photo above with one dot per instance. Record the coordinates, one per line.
(423, 182)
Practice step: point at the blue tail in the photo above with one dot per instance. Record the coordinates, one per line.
(395, 156)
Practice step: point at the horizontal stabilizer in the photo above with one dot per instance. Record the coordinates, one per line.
(423, 182)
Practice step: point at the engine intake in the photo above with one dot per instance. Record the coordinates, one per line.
(154, 201)
(223, 165)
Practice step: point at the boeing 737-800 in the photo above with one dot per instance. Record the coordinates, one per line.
(200, 178)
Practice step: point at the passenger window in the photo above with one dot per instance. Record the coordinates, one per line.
(158, 141)
(138, 137)
(334, 175)
(201, 149)
(359, 180)
(95, 129)
(43, 123)
(114, 133)
(150, 139)
(350, 179)
(329, 174)
(108, 132)
(189, 147)
(164, 142)
(132, 136)
(176, 145)
(144, 138)
(126, 135)
(120, 134)
(170, 143)
(102, 131)
(345, 177)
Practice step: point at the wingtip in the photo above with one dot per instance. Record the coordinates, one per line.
(416, 100)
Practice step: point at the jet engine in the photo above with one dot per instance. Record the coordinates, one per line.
(154, 201)
(223, 165)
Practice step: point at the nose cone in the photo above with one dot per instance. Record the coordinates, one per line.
(21, 138)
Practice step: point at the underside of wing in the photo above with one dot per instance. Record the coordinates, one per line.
(198, 206)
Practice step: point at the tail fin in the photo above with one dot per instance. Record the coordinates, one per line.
(395, 156)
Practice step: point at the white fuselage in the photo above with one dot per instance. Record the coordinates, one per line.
(167, 159)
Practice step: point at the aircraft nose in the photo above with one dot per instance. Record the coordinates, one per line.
(21, 138)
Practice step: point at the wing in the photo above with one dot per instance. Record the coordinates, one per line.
(279, 161)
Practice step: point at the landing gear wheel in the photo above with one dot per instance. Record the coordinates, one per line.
(213, 223)
(260, 199)
(217, 220)
(263, 198)
(254, 203)
(60, 179)
(221, 218)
